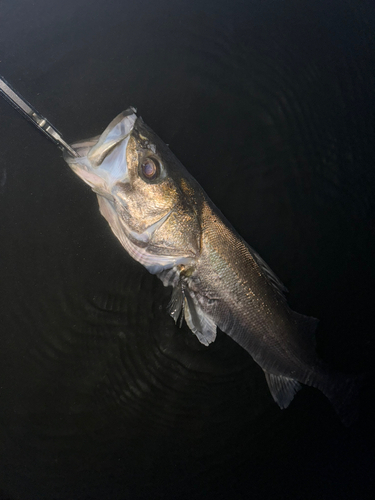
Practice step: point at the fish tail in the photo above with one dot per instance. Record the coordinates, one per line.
(343, 393)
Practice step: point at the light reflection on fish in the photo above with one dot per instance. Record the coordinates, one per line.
(165, 221)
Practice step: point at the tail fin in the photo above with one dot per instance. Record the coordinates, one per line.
(343, 392)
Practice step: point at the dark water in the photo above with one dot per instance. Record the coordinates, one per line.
(270, 105)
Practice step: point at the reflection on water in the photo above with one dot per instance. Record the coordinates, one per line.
(271, 110)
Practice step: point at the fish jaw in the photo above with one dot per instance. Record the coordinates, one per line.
(102, 160)
(136, 244)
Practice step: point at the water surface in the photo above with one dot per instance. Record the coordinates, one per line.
(270, 105)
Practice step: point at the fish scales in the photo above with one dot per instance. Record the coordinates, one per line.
(166, 222)
(263, 323)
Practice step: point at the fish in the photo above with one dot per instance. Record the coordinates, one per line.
(167, 223)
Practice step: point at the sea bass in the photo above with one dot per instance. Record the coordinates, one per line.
(166, 222)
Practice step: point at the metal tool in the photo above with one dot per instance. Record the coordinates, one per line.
(36, 118)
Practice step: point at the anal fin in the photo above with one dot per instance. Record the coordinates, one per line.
(282, 388)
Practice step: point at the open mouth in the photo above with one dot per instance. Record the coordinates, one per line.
(102, 159)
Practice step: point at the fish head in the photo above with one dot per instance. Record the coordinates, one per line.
(144, 192)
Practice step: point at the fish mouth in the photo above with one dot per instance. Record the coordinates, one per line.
(102, 159)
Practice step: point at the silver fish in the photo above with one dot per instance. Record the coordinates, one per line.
(166, 222)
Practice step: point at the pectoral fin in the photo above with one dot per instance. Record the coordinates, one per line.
(199, 323)
(282, 388)
(176, 303)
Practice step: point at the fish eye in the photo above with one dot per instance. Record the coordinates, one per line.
(150, 169)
